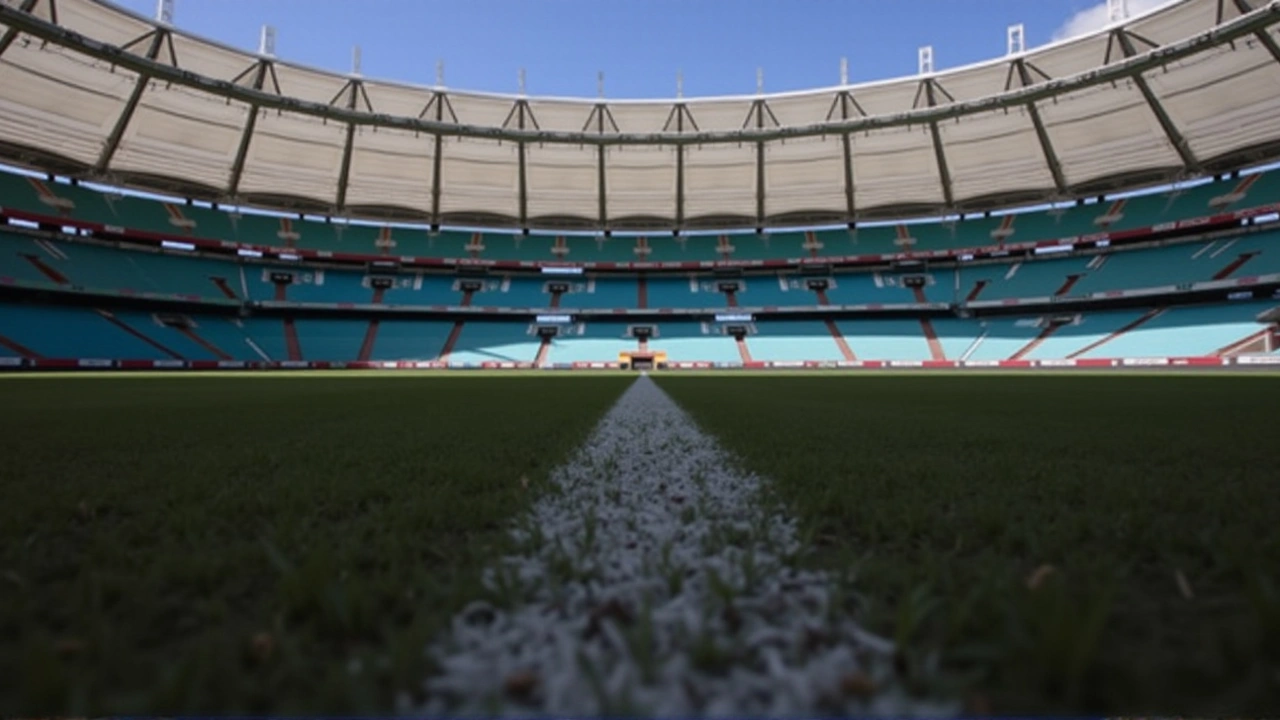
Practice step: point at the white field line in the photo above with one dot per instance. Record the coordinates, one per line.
(655, 581)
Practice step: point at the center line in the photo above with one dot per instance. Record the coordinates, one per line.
(654, 579)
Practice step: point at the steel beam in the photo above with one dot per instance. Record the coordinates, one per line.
(846, 144)
(678, 114)
(760, 165)
(12, 33)
(158, 37)
(1046, 146)
(1264, 38)
(1189, 160)
(437, 161)
(944, 173)
(246, 136)
(1128, 68)
(522, 167)
(601, 201)
(355, 89)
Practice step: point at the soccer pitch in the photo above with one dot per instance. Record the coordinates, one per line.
(293, 543)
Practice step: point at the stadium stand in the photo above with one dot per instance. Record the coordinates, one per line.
(178, 220)
(115, 266)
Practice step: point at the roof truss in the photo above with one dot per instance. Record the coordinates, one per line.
(929, 90)
(437, 107)
(601, 118)
(843, 107)
(262, 70)
(1125, 40)
(12, 33)
(1130, 67)
(352, 95)
(1022, 70)
(677, 120)
(760, 116)
(157, 39)
(521, 118)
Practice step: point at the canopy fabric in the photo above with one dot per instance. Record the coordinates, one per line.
(90, 90)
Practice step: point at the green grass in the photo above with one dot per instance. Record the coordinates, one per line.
(237, 544)
(936, 497)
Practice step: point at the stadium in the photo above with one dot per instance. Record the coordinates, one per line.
(944, 394)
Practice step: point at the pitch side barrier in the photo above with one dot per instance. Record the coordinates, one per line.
(285, 254)
(181, 366)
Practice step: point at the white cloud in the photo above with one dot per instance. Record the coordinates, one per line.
(1094, 18)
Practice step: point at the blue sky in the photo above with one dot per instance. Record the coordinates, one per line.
(638, 44)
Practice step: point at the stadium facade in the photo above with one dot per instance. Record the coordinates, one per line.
(92, 94)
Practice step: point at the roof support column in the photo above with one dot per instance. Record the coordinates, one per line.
(12, 33)
(675, 121)
(355, 88)
(759, 111)
(944, 173)
(436, 163)
(1042, 135)
(760, 192)
(158, 38)
(1179, 143)
(847, 103)
(246, 136)
(524, 179)
(601, 194)
(679, 187)
(1262, 36)
(602, 205)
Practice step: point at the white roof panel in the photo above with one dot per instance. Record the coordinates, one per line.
(562, 179)
(390, 168)
(60, 98)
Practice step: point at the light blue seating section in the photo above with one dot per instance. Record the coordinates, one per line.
(861, 289)
(495, 341)
(955, 335)
(66, 332)
(108, 268)
(792, 340)
(1033, 278)
(331, 340)
(1176, 264)
(411, 339)
(1186, 331)
(767, 291)
(326, 285)
(885, 339)
(14, 265)
(1188, 263)
(598, 342)
(228, 335)
(309, 284)
(1004, 337)
(686, 342)
(1092, 327)
(512, 292)
(601, 293)
(147, 324)
(677, 292)
(268, 335)
(420, 289)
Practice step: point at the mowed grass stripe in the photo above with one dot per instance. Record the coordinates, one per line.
(189, 545)
(1153, 499)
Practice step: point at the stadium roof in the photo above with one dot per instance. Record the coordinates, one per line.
(93, 91)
